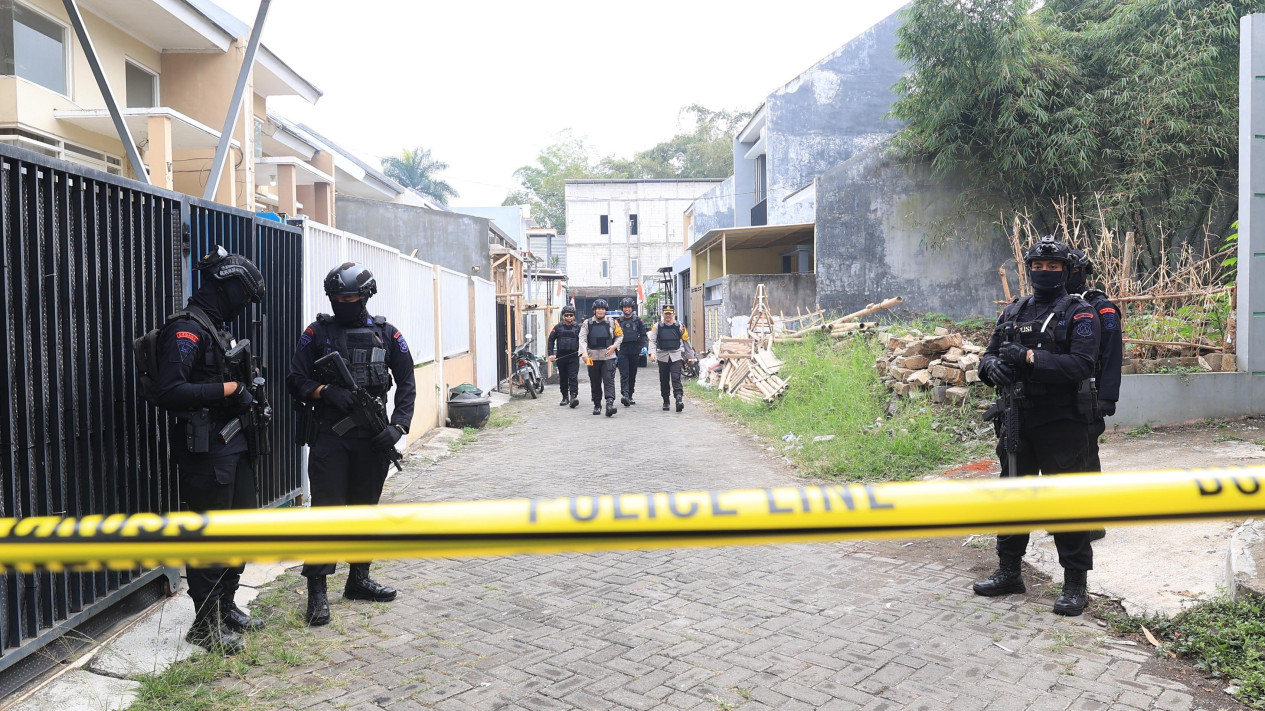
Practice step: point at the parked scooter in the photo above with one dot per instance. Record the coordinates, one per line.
(528, 369)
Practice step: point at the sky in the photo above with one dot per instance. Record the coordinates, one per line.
(485, 84)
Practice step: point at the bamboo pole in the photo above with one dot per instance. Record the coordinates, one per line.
(1176, 295)
(872, 308)
(1005, 285)
(1172, 344)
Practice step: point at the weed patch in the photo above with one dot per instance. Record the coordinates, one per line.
(502, 417)
(834, 391)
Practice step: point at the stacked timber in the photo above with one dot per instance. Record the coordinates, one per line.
(749, 370)
(944, 365)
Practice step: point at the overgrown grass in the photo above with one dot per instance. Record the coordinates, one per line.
(502, 417)
(213, 682)
(468, 436)
(834, 391)
(1224, 639)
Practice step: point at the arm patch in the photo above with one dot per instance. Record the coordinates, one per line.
(399, 340)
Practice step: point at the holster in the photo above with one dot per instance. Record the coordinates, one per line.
(197, 429)
(1087, 400)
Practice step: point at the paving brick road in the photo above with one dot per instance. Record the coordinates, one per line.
(808, 626)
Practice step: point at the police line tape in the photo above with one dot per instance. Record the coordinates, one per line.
(822, 512)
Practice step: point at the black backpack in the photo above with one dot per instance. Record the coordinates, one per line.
(145, 350)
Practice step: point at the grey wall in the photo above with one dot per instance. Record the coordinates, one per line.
(873, 215)
(713, 209)
(828, 114)
(1174, 398)
(449, 239)
(786, 293)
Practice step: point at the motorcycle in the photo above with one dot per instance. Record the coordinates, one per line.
(528, 369)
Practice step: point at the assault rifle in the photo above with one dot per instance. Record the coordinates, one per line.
(244, 368)
(1009, 402)
(368, 412)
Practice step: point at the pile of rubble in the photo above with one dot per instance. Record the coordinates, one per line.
(945, 364)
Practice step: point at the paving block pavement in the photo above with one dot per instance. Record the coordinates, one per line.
(804, 626)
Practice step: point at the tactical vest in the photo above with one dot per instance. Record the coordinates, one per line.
(669, 338)
(601, 335)
(632, 329)
(568, 337)
(365, 350)
(1050, 333)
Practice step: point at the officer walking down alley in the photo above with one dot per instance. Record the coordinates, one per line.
(600, 336)
(1043, 351)
(350, 469)
(1110, 350)
(563, 348)
(669, 346)
(193, 382)
(631, 350)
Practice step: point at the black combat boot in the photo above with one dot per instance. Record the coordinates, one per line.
(1075, 594)
(1098, 535)
(575, 402)
(565, 401)
(679, 405)
(666, 405)
(631, 401)
(317, 602)
(360, 587)
(611, 409)
(623, 400)
(1007, 579)
(237, 619)
(597, 408)
(210, 632)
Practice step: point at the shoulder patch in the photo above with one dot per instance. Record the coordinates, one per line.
(1083, 314)
(1106, 310)
(399, 340)
(1084, 329)
(1108, 319)
(187, 336)
(306, 338)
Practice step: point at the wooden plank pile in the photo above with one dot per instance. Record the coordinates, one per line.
(944, 365)
(749, 370)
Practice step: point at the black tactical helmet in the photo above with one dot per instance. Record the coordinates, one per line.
(601, 304)
(627, 301)
(351, 279)
(222, 266)
(568, 310)
(1049, 248)
(1081, 261)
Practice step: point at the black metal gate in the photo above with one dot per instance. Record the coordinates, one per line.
(89, 262)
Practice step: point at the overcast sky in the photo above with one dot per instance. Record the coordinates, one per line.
(485, 84)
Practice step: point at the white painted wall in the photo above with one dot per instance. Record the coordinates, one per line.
(660, 208)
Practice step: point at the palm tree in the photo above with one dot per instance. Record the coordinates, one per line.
(416, 169)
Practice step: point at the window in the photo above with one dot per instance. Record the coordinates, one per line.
(761, 177)
(32, 46)
(606, 224)
(633, 269)
(788, 266)
(606, 268)
(142, 87)
(632, 224)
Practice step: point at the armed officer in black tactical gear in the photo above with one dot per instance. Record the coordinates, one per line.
(563, 348)
(631, 349)
(1052, 353)
(350, 469)
(1110, 349)
(210, 452)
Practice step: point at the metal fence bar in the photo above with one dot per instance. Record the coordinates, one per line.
(88, 263)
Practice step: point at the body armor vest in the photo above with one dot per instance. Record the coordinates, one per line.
(568, 338)
(669, 338)
(601, 335)
(1051, 333)
(631, 328)
(365, 350)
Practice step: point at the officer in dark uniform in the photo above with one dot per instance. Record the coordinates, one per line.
(350, 469)
(631, 350)
(563, 348)
(192, 383)
(1055, 354)
(1110, 349)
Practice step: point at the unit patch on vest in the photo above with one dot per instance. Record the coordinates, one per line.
(1084, 329)
(306, 338)
(399, 339)
(1108, 318)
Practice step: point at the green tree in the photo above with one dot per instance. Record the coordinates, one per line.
(418, 170)
(1129, 105)
(543, 182)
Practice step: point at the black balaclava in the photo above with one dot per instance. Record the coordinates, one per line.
(350, 314)
(1076, 282)
(1047, 285)
(222, 301)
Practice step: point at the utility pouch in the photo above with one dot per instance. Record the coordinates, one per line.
(1087, 399)
(197, 429)
(304, 423)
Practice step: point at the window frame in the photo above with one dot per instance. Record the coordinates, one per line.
(67, 47)
(632, 223)
(154, 76)
(605, 268)
(604, 225)
(634, 267)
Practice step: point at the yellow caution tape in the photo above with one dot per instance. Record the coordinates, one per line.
(650, 520)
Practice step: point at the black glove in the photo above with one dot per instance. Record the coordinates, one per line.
(387, 437)
(240, 401)
(1106, 408)
(997, 372)
(1013, 353)
(338, 397)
